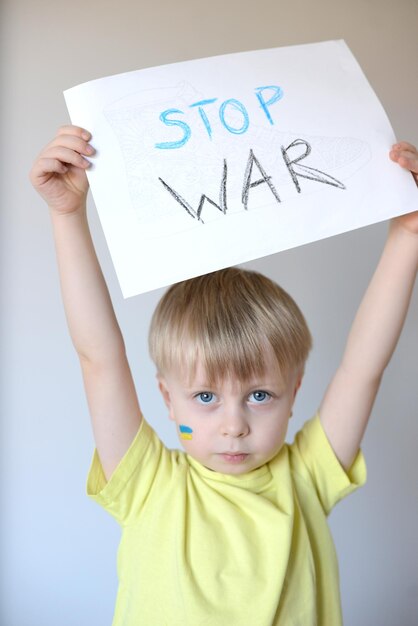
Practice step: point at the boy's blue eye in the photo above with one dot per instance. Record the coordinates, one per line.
(259, 396)
(206, 397)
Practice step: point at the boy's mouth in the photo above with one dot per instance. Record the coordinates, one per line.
(234, 457)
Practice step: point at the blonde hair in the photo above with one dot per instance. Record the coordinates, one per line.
(226, 320)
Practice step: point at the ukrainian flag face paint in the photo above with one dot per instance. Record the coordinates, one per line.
(185, 432)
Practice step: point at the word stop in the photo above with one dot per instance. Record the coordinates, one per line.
(232, 105)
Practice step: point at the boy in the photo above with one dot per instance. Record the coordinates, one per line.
(234, 531)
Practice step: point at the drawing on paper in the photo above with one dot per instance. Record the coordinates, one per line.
(214, 155)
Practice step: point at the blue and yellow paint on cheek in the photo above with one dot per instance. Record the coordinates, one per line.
(185, 432)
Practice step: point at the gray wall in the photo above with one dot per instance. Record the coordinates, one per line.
(58, 550)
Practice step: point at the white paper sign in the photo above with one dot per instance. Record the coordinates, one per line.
(214, 162)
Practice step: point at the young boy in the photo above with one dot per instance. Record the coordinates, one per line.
(232, 532)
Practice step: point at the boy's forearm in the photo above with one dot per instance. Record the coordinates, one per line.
(91, 319)
(380, 318)
(348, 401)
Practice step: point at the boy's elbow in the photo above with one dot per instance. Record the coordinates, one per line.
(365, 374)
(102, 355)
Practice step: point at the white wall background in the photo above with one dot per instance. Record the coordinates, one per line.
(58, 549)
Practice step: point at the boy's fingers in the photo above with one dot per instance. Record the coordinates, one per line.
(73, 142)
(49, 166)
(404, 145)
(408, 154)
(69, 129)
(409, 162)
(406, 159)
(65, 155)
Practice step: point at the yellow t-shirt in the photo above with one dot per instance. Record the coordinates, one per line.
(200, 548)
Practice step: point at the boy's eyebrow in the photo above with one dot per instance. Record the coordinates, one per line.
(204, 384)
(268, 384)
(249, 384)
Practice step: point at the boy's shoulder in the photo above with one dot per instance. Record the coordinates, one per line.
(146, 459)
(314, 463)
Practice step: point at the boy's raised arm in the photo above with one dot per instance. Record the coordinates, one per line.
(349, 399)
(58, 174)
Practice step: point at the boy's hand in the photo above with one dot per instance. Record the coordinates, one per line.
(406, 155)
(58, 173)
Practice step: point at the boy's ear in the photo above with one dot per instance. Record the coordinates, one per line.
(163, 387)
(298, 384)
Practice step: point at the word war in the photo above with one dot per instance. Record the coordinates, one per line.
(232, 105)
(293, 166)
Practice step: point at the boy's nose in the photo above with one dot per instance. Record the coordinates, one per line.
(234, 424)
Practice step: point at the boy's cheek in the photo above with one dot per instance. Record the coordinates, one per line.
(195, 443)
(185, 432)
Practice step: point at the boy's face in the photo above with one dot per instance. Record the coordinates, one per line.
(231, 427)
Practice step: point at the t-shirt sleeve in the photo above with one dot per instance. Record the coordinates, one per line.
(313, 457)
(146, 466)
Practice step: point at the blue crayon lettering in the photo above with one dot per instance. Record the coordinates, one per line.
(267, 96)
(203, 115)
(170, 145)
(238, 106)
(278, 95)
